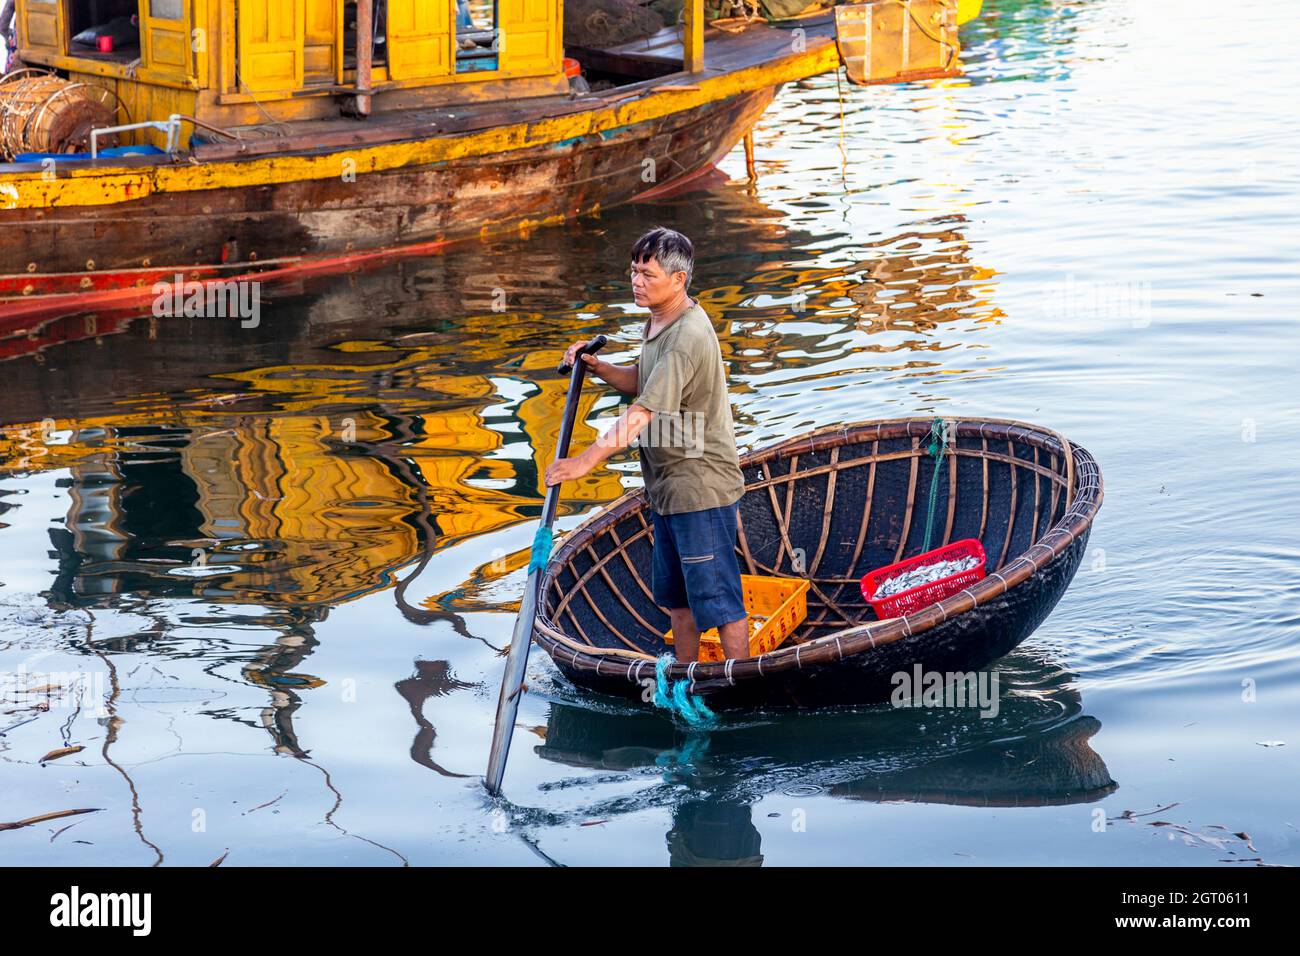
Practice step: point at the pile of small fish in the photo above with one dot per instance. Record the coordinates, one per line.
(925, 574)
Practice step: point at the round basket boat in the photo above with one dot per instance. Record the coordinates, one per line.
(829, 506)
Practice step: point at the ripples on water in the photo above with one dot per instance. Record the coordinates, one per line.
(289, 557)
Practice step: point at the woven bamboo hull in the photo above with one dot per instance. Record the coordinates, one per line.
(602, 630)
(968, 643)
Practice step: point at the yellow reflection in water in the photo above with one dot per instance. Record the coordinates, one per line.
(298, 508)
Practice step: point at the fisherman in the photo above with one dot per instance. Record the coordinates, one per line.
(688, 451)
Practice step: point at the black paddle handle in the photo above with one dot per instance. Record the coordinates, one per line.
(517, 660)
(576, 374)
(591, 348)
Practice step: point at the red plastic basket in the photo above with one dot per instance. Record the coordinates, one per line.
(905, 602)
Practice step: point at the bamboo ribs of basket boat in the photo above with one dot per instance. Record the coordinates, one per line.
(827, 507)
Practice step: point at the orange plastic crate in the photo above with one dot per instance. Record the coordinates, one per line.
(776, 607)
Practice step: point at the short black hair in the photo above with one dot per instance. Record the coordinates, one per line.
(671, 249)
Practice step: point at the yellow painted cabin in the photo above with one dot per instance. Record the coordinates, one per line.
(241, 62)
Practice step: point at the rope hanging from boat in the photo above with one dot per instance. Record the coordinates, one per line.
(677, 698)
(938, 444)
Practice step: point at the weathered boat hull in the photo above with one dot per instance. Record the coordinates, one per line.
(88, 235)
(830, 506)
(80, 249)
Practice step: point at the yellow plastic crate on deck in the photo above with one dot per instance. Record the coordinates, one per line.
(776, 606)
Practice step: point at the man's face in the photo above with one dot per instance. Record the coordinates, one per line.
(652, 287)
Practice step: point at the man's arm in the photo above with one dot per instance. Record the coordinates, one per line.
(622, 377)
(630, 424)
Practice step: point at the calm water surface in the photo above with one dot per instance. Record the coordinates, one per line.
(289, 557)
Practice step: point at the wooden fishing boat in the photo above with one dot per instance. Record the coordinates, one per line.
(831, 506)
(452, 134)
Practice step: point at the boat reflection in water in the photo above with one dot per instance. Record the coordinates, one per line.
(1034, 752)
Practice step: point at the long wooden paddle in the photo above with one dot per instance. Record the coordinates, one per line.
(512, 685)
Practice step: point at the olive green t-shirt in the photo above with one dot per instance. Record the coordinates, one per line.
(688, 451)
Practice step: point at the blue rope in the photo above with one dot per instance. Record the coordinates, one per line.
(678, 699)
(542, 542)
(682, 758)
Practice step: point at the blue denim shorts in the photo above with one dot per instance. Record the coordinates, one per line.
(695, 565)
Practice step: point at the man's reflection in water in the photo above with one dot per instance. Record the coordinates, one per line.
(714, 833)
